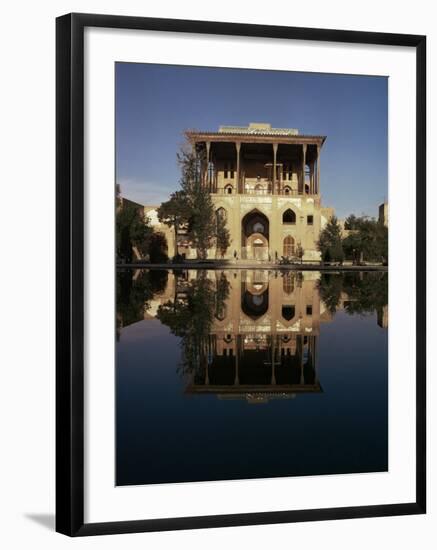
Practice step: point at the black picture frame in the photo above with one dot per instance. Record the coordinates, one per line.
(70, 273)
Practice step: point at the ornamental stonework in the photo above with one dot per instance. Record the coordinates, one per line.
(290, 201)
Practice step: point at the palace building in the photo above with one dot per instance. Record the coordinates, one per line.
(266, 183)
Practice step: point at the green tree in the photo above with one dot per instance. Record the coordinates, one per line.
(368, 240)
(351, 222)
(381, 243)
(201, 220)
(353, 247)
(158, 248)
(330, 243)
(198, 207)
(192, 207)
(175, 212)
(223, 236)
(132, 230)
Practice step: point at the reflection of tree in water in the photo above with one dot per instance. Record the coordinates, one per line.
(366, 291)
(330, 287)
(190, 316)
(134, 291)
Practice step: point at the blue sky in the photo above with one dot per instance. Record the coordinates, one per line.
(156, 103)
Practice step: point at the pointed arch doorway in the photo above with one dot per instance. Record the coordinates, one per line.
(255, 236)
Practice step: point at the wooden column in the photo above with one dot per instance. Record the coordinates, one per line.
(311, 177)
(238, 147)
(207, 183)
(275, 150)
(304, 150)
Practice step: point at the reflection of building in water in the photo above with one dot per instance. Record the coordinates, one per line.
(259, 340)
(258, 367)
(161, 296)
(263, 341)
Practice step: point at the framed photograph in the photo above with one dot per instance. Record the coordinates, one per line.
(240, 274)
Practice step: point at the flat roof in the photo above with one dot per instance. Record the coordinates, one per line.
(254, 132)
(258, 128)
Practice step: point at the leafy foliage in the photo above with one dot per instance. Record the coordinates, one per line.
(366, 291)
(222, 235)
(134, 294)
(368, 240)
(351, 222)
(330, 287)
(201, 221)
(158, 248)
(190, 316)
(192, 207)
(175, 212)
(329, 243)
(132, 229)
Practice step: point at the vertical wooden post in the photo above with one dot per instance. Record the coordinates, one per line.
(304, 150)
(238, 147)
(312, 187)
(275, 150)
(207, 182)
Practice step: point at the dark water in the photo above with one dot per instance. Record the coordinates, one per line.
(250, 374)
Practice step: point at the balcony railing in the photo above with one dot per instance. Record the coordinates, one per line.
(256, 192)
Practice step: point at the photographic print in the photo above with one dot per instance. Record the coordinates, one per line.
(251, 273)
(241, 274)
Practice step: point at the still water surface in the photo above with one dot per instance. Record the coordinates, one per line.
(248, 374)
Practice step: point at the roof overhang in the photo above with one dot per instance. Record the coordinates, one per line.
(222, 137)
